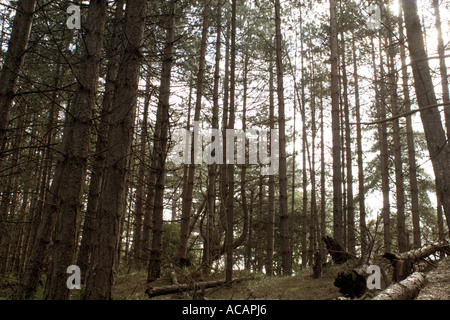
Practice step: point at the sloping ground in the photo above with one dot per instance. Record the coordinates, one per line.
(438, 287)
(299, 287)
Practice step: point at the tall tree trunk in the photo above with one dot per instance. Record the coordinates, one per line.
(442, 66)
(304, 184)
(212, 168)
(224, 166)
(294, 169)
(343, 169)
(98, 164)
(286, 255)
(74, 160)
(348, 148)
(9, 195)
(271, 195)
(414, 189)
(323, 200)
(259, 228)
(140, 189)
(11, 69)
(384, 153)
(438, 145)
(160, 147)
(69, 177)
(243, 182)
(402, 240)
(230, 167)
(42, 186)
(189, 190)
(335, 116)
(361, 189)
(112, 201)
(314, 228)
(302, 103)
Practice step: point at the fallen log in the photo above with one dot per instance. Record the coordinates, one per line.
(420, 253)
(159, 291)
(406, 289)
(403, 262)
(353, 283)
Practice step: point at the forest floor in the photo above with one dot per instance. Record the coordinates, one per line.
(302, 286)
(438, 286)
(299, 287)
(131, 285)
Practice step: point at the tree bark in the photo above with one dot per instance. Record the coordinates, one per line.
(160, 147)
(158, 291)
(271, 195)
(140, 189)
(402, 240)
(403, 262)
(361, 188)
(259, 227)
(384, 154)
(350, 226)
(112, 201)
(323, 200)
(189, 190)
(440, 221)
(407, 289)
(225, 111)
(74, 160)
(286, 254)
(302, 102)
(314, 225)
(437, 143)
(212, 169)
(414, 189)
(230, 167)
(442, 66)
(335, 117)
(11, 69)
(243, 182)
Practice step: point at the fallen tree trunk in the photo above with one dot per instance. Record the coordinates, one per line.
(421, 253)
(406, 289)
(159, 291)
(353, 283)
(403, 262)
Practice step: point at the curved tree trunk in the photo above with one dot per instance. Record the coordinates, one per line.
(188, 189)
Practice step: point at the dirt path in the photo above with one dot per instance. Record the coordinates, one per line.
(438, 287)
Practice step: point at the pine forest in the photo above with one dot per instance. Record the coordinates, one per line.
(224, 149)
